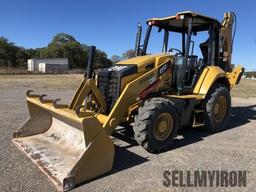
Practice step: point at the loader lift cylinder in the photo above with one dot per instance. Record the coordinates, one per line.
(89, 71)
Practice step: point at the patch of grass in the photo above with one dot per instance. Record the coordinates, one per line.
(246, 88)
(52, 82)
(24, 71)
(12, 71)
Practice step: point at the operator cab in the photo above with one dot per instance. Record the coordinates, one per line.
(188, 25)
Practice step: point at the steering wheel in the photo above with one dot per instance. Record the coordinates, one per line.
(175, 50)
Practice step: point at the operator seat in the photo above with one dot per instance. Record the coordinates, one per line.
(204, 49)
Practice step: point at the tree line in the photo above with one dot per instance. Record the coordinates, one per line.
(11, 55)
(130, 53)
(250, 74)
(62, 46)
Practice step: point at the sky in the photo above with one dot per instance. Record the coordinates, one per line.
(111, 25)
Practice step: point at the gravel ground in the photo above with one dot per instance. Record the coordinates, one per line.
(134, 168)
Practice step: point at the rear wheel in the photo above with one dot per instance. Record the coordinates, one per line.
(156, 124)
(217, 108)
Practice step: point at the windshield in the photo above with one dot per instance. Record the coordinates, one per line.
(157, 44)
(157, 41)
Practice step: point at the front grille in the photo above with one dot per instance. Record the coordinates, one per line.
(109, 87)
(109, 82)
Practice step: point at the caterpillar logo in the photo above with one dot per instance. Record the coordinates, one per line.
(117, 68)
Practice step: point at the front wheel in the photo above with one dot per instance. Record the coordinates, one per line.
(156, 125)
(217, 108)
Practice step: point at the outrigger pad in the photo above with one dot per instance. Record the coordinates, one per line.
(58, 142)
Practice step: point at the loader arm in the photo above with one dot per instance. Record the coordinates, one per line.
(130, 94)
(87, 86)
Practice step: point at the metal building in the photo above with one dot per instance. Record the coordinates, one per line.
(48, 65)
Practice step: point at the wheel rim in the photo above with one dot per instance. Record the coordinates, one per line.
(163, 126)
(220, 109)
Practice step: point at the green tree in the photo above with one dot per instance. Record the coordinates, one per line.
(34, 53)
(65, 45)
(62, 38)
(128, 54)
(11, 55)
(101, 59)
(21, 57)
(115, 58)
(3, 51)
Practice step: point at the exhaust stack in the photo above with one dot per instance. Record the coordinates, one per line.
(90, 62)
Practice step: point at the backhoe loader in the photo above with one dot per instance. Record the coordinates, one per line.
(156, 93)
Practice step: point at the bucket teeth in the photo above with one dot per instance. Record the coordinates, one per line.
(31, 95)
(42, 100)
(57, 105)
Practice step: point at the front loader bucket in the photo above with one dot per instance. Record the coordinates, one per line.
(69, 149)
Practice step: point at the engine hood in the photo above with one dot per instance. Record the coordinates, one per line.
(148, 61)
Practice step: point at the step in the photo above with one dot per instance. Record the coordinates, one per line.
(198, 124)
(198, 110)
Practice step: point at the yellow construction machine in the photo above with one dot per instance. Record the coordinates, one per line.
(156, 93)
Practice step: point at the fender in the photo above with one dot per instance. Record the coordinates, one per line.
(208, 77)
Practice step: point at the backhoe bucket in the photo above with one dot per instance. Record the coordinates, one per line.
(68, 148)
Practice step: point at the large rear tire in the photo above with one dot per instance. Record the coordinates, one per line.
(156, 124)
(217, 108)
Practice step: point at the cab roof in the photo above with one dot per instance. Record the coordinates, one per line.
(179, 22)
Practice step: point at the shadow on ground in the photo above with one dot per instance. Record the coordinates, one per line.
(239, 116)
(125, 159)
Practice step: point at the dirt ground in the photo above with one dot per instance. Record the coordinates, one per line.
(134, 169)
